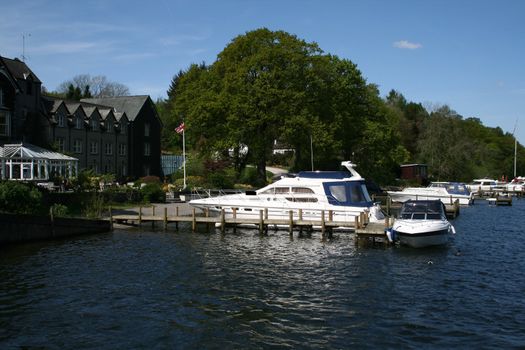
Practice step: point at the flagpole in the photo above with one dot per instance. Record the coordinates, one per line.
(184, 156)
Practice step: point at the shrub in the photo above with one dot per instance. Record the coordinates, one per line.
(153, 193)
(19, 198)
(59, 210)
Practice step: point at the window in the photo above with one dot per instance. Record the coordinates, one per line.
(61, 120)
(94, 124)
(5, 123)
(93, 147)
(147, 150)
(109, 148)
(123, 127)
(77, 146)
(146, 129)
(60, 143)
(122, 149)
(2, 97)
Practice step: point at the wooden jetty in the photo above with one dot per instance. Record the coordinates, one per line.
(500, 200)
(324, 223)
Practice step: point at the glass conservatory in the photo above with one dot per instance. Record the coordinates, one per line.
(28, 162)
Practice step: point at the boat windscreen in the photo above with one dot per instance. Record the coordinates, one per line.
(347, 193)
(432, 207)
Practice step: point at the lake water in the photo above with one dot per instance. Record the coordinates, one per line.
(164, 290)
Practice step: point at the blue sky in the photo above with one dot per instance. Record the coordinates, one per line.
(468, 54)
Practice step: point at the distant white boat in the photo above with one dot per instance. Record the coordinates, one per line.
(482, 185)
(422, 223)
(447, 192)
(344, 193)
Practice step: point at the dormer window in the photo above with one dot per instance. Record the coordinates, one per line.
(146, 129)
(61, 120)
(94, 124)
(109, 126)
(123, 127)
(2, 97)
(79, 122)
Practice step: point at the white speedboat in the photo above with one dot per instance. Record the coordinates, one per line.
(343, 193)
(482, 185)
(447, 192)
(422, 223)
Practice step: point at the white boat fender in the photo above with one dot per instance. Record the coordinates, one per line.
(452, 229)
(390, 234)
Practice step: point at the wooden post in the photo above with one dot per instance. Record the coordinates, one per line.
(300, 215)
(207, 215)
(261, 222)
(193, 221)
(140, 215)
(234, 219)
(110, 218)
(52, 219)
(322, 224)
(265, 213)
(356, 221)
(290, 222)
(165, 218)
(177, 218)
(153, 217)
(223, 221)
(388, 203)
(330, 215)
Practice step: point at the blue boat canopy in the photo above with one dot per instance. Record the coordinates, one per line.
(347, 193)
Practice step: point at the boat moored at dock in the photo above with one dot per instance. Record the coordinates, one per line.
(343, 194)
(447, 192)
(422, 223)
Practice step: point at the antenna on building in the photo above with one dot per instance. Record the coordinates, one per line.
(24, 47)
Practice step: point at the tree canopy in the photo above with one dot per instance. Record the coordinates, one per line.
(270, 85)
(84, 85)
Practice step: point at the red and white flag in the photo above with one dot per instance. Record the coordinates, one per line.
(179, 129)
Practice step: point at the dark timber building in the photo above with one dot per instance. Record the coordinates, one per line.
(118, 135)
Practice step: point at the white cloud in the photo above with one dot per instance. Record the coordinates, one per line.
(405, 44)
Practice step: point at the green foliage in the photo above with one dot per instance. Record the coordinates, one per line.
(59, 210)
(19, 198)
(153, 193)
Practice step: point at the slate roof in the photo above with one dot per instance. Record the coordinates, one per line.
(18, 69)
(131, 105)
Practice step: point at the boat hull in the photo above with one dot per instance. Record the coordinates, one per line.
(422, 234)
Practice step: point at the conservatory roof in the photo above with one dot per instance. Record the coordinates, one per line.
(28, 151)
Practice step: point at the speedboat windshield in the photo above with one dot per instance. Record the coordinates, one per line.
(422, 210)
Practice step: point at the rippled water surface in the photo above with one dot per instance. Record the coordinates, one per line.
(154, 289)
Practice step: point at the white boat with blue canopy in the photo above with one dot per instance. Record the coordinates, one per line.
(342, 193)
(447, 192)
(422, 223)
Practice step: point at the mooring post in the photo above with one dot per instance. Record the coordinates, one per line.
(356, 218)
(165, 218)
(388, 200)
(290, 222)
(193, 221)
(235, 220)
(140, 215)
(110, 218)
(207, 213)
(52, 219)
(152, 216)
(265, 213)
(223, 221)
(177, 218)
(322, 224)
(261, 222)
